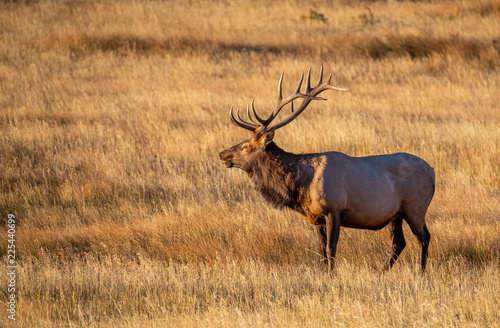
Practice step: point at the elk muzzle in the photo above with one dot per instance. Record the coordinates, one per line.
(226, 156)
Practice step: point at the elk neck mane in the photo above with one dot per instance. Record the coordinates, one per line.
(280, 177)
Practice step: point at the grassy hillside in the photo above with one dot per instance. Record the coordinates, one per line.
(112, 116)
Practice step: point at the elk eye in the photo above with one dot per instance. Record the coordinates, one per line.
(244, 147)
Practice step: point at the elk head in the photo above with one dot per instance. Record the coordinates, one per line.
(247, 154)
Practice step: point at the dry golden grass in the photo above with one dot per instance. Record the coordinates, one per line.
(112, 117)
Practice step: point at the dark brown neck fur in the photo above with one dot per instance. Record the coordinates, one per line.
(281, 178)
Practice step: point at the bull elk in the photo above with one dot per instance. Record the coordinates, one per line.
(332, 189)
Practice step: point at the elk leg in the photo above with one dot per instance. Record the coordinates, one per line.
(426, 238)
(395, 229)
(332, 237)
(321, 234)
(423, 236)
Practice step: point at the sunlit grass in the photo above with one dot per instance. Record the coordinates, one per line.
(112, 117)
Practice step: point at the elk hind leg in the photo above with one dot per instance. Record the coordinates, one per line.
(425, 239)
(395, 229)
(423, 235)
(321, 235)
(332, 237)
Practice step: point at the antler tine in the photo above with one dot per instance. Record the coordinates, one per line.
(296, 94)
(243, 124)
(332, 87)
(261, 121)
(250, 116)
(280, 87)
(308, 79)
(239, 117)
(297, 90)
(311, 94)
(320, 75)
(251, 123)
(282, 103)
(328, 86)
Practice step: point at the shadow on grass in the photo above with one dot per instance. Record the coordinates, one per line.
(376, 48)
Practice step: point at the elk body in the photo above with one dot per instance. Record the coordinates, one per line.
(332, 189)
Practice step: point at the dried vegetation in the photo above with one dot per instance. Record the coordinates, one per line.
(112, 117)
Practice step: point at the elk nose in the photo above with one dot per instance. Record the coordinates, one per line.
(220, 155)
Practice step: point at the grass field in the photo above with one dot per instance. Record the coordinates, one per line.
(112, 116)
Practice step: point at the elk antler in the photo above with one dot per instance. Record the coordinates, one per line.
(262, 126)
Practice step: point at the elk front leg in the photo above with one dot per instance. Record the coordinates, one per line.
(332, 237)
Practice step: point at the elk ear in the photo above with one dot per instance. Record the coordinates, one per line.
(266, 139)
